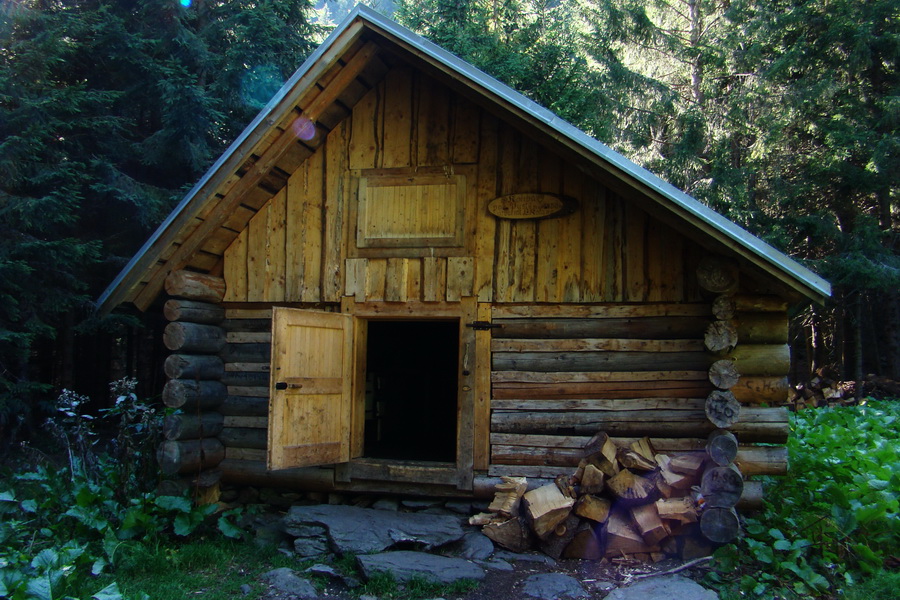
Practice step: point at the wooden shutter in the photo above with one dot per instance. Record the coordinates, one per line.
(309, 406)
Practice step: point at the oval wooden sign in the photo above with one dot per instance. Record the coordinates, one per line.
(532, 206)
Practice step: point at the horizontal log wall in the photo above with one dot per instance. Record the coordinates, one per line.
(562, 373)
(301, 245)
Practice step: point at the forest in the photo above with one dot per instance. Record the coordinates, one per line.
(783, 116)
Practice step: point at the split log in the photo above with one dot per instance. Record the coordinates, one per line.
(683, 510)
(191, 395)
(620, 537)
(195, 286)
(189, 455)
(508, 496)
(722, 447)
(762, 359)
(762, 328)
(586, 543)
(593, 508)
(644, 447)
(762, 390)
(632, 460)
(722, 486)
(547, 507)
(601, 452)
(192, 426)
(723, 307)
(723, 374)
(762, 460)
(720, 525)
(720, 337)
(646, 520)
(751, 497)
(246, 353)
(631, 489)
(749, 304)
(600, 361)
(512, 534)
(592, 480)
(560, 537)
(194, 366)
(718, 275)
(194, 338)
(722, 408)
(193, 312)
(678, 481)
(687, 464)
(246, 378)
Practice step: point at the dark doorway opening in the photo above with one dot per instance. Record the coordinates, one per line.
(411, 390)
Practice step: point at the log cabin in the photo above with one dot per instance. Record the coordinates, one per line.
(405, 277)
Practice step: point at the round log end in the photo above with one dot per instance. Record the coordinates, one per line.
(722, 408)
(720, 525)
(718, 275)
(723, 374)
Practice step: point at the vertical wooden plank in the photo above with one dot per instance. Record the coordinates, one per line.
(593, 242)
(635, 254)
(395, 286)
(465, 431)
(673, 265)
(256, 255)
(355, 281)
(358, 387)
(656, 276)
(507, 183)
(464, 131)
(303, 281)
(433, 128)
(275, 248)
(459, 277)
(434, 275)
(486, 190)
(376, 271)
(548, 236)
(414, 279)
(482, 408)
(615, 250)
(235, 272)
(366, 125)
(525, 231)
(569, 266)
(398, 114)
(336, 196)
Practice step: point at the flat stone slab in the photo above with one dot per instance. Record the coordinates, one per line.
(405, 565)
(355, 530)
(285, 580)
(665, 587)
(553, 586)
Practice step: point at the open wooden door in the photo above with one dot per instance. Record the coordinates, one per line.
(310, 388)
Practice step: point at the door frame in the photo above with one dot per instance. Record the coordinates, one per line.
(461, 473)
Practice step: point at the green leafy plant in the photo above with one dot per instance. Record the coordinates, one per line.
(835, 519)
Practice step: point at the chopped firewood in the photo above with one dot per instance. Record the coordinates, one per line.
(592, 480)
(593, 508)
(644, 447)
(579, 472)
(483, 519)
(648, 523)
(565, 485)
(676, 480)
(508, 496)
(557, 541)
(631, 488)
(632, 460)
(585, 545)
(511, 534)
(621, 537)
(601, 452)
(687, 464)
(665, 490)
(683, 510)
(547, 507)
(657, 556)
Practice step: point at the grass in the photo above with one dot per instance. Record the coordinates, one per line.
(385, 587)
(211, 568)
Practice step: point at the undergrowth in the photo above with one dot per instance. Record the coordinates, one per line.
(829, 527)
(70, 522)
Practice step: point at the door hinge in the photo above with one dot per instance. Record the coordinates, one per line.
(483, 325)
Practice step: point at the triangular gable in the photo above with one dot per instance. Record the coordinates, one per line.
(318, 96)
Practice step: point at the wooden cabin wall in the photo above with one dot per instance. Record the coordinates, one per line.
(300, 246)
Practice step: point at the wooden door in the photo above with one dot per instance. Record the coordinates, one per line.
(310, 388)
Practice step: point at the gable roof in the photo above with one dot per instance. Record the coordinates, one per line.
(321, 94)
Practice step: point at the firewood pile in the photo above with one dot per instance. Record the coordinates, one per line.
(824, 390)
(624, 504)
